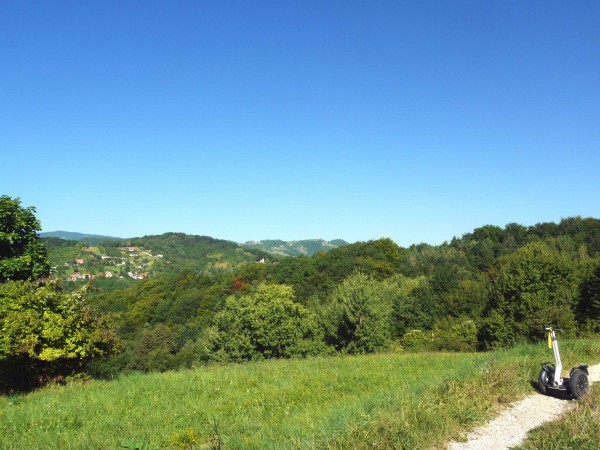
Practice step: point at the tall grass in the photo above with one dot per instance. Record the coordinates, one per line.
(376, 401)
(578, 429)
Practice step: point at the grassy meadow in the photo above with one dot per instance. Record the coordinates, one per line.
(389, 400)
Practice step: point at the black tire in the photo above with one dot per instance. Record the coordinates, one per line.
(544, 381)
(578, 383)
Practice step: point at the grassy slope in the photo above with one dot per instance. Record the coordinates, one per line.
(386, 401)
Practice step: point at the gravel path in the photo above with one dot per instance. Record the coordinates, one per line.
(511, 427)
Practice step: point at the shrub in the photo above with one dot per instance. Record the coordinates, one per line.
(267, 323)
(455, 335)
(47, 333)
(418, 340)
(449, 334)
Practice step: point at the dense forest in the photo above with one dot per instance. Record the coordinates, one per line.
(218, 302)
(490, 288)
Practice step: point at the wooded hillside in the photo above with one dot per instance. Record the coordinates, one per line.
(175, 300)
(490, 288)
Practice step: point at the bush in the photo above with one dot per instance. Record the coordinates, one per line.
(455, 335)
(267, 323)
(47, 334)
(418, 340)
(449, 335)
(589, 303)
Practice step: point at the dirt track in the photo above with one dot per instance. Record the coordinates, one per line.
(511, 427)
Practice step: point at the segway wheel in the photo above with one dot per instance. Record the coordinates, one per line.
(543, 381)
(578, 384)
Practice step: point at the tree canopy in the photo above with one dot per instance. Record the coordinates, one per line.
(22, 255)
(266, 323)
(47, 333)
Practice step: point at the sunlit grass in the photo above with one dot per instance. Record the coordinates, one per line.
(578, 429)
(387, 400)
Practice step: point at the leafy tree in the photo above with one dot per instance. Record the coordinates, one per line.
(533, 286)
(468, 298)
(22, 255)
(47, 333)
(589, 302)
(516, 235)
(494, 233)
(414, 304)
(156, 350)
(358, 316)
(266, 323)
(484, 254)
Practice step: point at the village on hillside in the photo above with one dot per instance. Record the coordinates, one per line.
(91, 263)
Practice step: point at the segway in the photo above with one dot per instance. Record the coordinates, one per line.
(550, 380)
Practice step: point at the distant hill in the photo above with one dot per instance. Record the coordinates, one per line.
(199, 253)
(79, 237)
(141, 257)
(307, 247)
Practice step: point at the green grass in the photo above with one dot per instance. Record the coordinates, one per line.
(578, 429)
(376, 401)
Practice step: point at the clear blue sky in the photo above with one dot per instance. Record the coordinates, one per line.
(249, 120)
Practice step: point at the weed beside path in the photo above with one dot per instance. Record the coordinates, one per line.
(579, 428)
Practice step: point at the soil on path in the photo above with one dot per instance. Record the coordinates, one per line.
(510, 428)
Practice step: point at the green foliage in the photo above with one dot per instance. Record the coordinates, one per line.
(155, 350)
(414, 304)
(321, 273)
(47, 332)
(448, 334)
(532, 287)
(357, 317)
(468, 298)
(455, 335)
(466, 281)
(417, 341)
(266, 323)
(589, 301)
(185, 304)
(22, 255)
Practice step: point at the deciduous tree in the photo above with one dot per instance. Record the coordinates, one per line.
(266, 323)
(46, 333)
(358, 317)
(532, 287)
(22, 255)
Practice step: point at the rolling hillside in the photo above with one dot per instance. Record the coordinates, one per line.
(307, 247)
(80, 237)
(148, 256)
